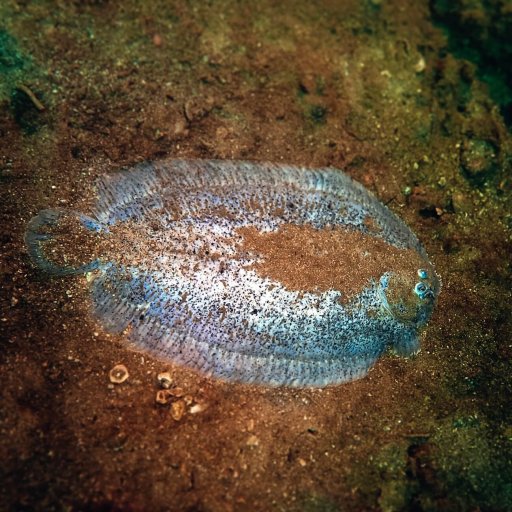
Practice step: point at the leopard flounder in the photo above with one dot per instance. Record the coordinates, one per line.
(249, 272)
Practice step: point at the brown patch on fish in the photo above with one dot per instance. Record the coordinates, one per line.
(306, 259)
(371, 224)
(300, 257)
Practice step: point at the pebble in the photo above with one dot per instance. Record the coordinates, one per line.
(164, 380)
(252, 440)
(420, 65)
(118, 374)
(197, 408)
(178, 410)
(180, 127)
(163, 396)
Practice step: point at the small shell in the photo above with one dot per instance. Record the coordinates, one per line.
(118, 374)
(163, 396)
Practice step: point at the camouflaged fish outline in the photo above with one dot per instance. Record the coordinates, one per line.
(250, 272)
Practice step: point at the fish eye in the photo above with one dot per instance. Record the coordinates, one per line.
(420, 289)
(422, 273)
(423, 291)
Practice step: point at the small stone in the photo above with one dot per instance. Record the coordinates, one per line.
(197, 408)
(302, 462)
(252, 440)
(164, 380)
(163, 396)
(180, 127)
(118, 374)
(420, 66)
(157, 40)
(478, 159)
(178, 410)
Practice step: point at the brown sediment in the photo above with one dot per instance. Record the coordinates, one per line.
(72, 244)
(410, 434)
(306, 259)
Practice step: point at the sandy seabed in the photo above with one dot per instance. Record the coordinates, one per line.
(374, 88)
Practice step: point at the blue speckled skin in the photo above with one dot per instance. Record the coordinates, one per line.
(217, 315)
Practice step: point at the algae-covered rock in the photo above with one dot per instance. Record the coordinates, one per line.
(478, 160)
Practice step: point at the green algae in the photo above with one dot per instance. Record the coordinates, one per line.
(11, 58)
(16, 68)
(318, 503)
(13, 64)
(480, 33)
(459, 467)
(479, 160)
(475, 464)
(395, 490)
(318, 114)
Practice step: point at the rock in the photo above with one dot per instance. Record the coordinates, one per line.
(163, 396)
(164, 380)
(197, 408)
(252, 440)
(178, 410)
(478, 159)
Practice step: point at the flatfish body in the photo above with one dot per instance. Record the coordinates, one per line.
(249, 272)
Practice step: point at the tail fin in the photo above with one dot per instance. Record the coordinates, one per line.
(44, 227)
